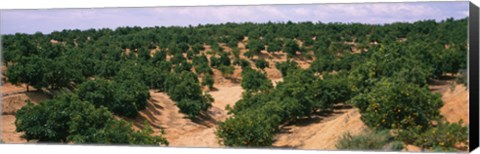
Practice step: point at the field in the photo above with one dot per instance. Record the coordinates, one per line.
(281, 85)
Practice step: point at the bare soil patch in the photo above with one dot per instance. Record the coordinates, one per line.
(322, 131)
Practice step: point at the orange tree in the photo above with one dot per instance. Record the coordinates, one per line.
(397, 104)
(66, 118)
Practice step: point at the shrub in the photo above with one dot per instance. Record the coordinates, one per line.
(121, 132)
(284, 67)
(369, 140)
(261, 63)
(185, 90)
(214, 61)
(291, 47)
(255, 46)
(244, 63)
(207, 81)
(197, 47)
(248, 130)
(274, 47)
(226, 70)
(254, 81)
(224, 59)
(249, 54)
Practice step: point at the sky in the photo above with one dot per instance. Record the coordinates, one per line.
(49, 20)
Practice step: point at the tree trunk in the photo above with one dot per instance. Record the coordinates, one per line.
(28, 88)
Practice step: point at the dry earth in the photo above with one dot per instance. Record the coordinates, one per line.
(322, 131)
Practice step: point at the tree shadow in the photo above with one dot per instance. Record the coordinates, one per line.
(204, 120)
(212, 89)
(443, 80)
(437, 82)
(37, 96)
(308, 121)
(342, 106)
(285, 130)
(286, 147)
(234, 80)
(278, 55)
(154, 103)
(317, 117)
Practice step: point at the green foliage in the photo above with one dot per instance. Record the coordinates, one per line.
(125, 98)
(224, 59)
(264, 109)
(207, 80)
(392, 61)
(255, 81)
(182, 66)
(244, 63)
(397, 105)
(214, 61)
(159, 56)
(291, 47)
(255, 46)
(284, 67)
(274, 46)
(201, 64)
(369, 140)
(144, 54)
(68, 119)
(29, 70)
(401, 58)
(197, 47)
(185, 90)
(443, 137)
(226, 70)
(323, 64)
(248, 130)
(64, 75)
(331, 90)
(249, 54)
(261, 63)
(295, 90)
(190, 54)
(121, 132)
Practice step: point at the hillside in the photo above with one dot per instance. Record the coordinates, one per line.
(285, 85)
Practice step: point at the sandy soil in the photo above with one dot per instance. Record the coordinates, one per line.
(455, 98)
(455, 106)
(9, 135)
(322, 131)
